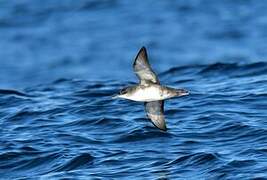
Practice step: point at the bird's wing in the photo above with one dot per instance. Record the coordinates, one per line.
(155, 110)
(142, 68)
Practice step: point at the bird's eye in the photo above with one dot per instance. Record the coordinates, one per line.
(123, 91)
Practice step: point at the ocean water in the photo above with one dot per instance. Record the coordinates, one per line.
(61, 62)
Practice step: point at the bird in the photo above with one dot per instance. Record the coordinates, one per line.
(149, 90)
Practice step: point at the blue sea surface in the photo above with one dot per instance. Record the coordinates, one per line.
(61, 62)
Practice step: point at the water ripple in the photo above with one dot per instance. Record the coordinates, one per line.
(71, 126)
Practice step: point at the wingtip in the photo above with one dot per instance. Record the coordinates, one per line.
(143, 48)
(162, 127)
(141, 53)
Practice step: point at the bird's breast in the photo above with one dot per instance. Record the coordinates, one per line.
(147, 93)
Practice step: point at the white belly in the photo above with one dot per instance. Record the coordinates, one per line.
(151, 93)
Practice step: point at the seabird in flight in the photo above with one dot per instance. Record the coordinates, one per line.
(150, 91)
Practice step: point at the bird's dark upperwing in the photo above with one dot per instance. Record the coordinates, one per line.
(142, 68)
(155, 110)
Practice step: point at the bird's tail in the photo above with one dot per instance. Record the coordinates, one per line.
(182, 92)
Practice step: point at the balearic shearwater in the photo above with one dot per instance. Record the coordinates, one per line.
(149, 90)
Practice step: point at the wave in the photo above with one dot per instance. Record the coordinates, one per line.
(237, 70)
(195, 159)
(141, 135)
(73, 126)
(80, 161)
(234, 69)
(12, 92)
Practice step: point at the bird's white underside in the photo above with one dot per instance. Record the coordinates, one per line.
(147, 94)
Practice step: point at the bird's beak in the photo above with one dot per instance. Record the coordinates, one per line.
(116, 96)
